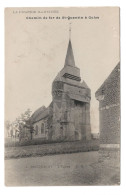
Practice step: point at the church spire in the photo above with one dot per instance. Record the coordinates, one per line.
(69, 61)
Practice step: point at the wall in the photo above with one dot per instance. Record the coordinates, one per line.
(40, 133)
(110, 125)
(109, 108)
(71, 118)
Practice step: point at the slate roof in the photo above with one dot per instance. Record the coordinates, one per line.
(69, 61)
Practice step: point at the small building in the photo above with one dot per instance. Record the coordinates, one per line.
(68, 115)
(108, 96)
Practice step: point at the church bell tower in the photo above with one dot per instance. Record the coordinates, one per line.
(71, 102)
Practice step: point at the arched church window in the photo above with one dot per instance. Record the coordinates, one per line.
(36, 130)
(42, 128)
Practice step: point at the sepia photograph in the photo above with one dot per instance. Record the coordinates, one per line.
(62, 96)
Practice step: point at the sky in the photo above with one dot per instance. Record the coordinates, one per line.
(35, 51)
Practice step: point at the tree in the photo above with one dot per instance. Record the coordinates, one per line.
(23, 121)
(15, 128)
(30, 127)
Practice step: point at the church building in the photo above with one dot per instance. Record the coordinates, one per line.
(68, 115)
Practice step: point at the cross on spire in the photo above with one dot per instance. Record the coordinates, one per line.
(70, 31)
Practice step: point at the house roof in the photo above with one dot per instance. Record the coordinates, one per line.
(113, 74)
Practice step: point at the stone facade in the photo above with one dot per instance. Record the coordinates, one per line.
(40, 122)
(68, 115)
(108, 96)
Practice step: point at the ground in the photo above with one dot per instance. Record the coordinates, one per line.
(81, 168)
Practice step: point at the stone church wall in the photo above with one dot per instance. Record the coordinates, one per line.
(40, 129)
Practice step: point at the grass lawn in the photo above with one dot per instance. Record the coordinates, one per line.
(52, 148)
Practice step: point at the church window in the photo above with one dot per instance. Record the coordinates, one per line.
(36, 130)
(42, 128)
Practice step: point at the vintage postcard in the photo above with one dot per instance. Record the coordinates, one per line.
(62, 96)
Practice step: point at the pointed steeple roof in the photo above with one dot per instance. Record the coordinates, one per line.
(69, 61)
(70, 71)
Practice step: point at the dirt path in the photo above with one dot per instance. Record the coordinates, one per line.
(65, 169)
